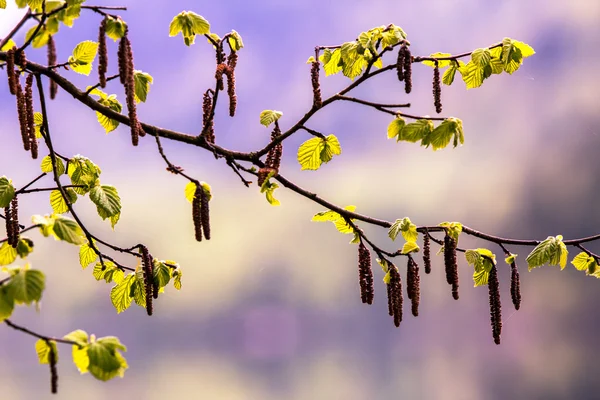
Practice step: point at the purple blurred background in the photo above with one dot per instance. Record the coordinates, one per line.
(270, 307)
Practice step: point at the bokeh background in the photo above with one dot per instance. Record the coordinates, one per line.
(270, 307)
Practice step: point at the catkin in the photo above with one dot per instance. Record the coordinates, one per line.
(53, 371)
(427, 253)
(30, 118)
(451, 265)
(230, 73)
(316, 85)
(51, 53)
(437, 89)
(10, 71)
(209, 132)
(495, 306)
(196, 215)
(9, 224)
(515, 286)
(365, 274)
(126, 73)
(219, 75)
(395, 297)
(274, 154)
(407, 70)
(400, 62)
(232, 60)
(102, 54)
(148, 277)
(204, 213)
(413, 287)
(22, 60)
(22, 113)
(14, 221)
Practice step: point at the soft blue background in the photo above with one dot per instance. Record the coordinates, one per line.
(270, 307)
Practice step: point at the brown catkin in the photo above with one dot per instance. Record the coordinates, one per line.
(230, 73)
(365, 274)
(314, 75)
(262, 175)
(451, 265)
(9, 225)
(395, 297)
(232, 60)
(219, 75)
(53, 371)
(400, 62)
(274, 154)
(102, 53)
(22, 60)
(196, 215)
(126, 57)
(427, 253)
(30, 117)
(407, 70)
(415, 287)
(515, 286)
(205, 213)
(22, 113)
(437, 89)
(148, 277)
(10, 71)
(51, 52)
(14, 220)
(209, 132)
(495, 306)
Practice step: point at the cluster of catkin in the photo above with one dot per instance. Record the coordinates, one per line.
(273, 157)
(11, 215)
(127, 78)
(201, 213)
(228, 69)
(150, 287)
(24, 99)
(404, 67)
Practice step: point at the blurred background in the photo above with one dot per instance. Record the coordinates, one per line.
(270, 307)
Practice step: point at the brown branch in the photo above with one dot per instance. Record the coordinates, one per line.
(17, 27)
(37, 335)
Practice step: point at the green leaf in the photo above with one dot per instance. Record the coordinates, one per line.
(80, 337)
(316, 151)
(105, 360)
(87, 255)
(395, 127)
(46, 165)
(142, 85)
(83, 57)
(268, 188)
(111, 273)
(7, 191)
(526, 50)
(551, 251)
(161, 274)
(27, 285)
(81, 359)
(120, 293)
(267, 117)
(406, 227)
(340, 222)
(189, 24)
(472, 75)
(418, 130)
(441, 63)
(448, 77)
(177, 278)
(454, 229)
(8, 254)
(512, 55)
(41, 37)
(111, 102)
(115, 28)
(107, 200)
(190, 191)
(83, 171)
(58, 203)
(24, 247)
(235, 41)
(483, 260)
(46, 223)
(42, 348)
(510, 259)
(68, 230)
(481, 57)
(331, 61)
(440, 137)
(410, 247)
(38, 121)
(7, 302)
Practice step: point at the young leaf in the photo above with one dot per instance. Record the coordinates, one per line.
(481, 57)
(120, 293)
(177, 278)
(42, 348)
(107, 200)
(410, 247)
(105, 360)
(482, 260)
(86, 255)
(80, 337)
(235, 41)
(406, 227)
(83, 56)
(68, 230)
(331, 61)
(454, 229)
(315, 151)
(472, 75)
(395, 127)
(340, 222)
(161, 274)
(7, 191)
(268, 188)
(448, 77)
(142, 85)
(441, 63)
(58, 203)
(440, 137)
(418, 130)
(115, 28)
(7, 302)
(551, 251)
(46, 165)
(27, 285)
(189, 24)
(267, 117)
(111, 273)
(8, 254)
(24, 247)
